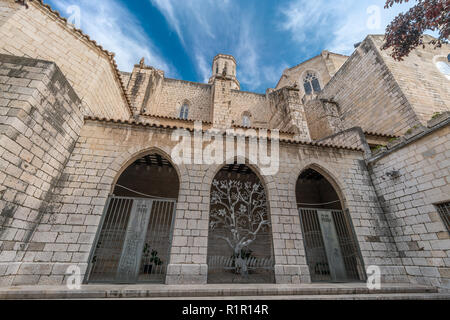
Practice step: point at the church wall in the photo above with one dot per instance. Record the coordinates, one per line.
(408, 200)
(68, 228)
(41, 117)
(174, 92)
(295, 75)
(6, 11)
(337, 61)
(425, 87)
(256, 104)
(87, 68)
(368, 95)
(353, 137)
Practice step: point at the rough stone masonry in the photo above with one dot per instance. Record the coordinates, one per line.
(374, 131)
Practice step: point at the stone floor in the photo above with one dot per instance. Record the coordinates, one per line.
(324, 291)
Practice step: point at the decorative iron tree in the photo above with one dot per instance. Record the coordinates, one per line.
(241, 209)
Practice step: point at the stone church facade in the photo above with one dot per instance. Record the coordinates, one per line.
(363, 169)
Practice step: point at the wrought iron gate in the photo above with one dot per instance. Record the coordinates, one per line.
(331, 249)
(133, 242)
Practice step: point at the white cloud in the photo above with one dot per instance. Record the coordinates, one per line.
(340, 23)
(208, 27)
(167, 9)
(203, 67)
(117, 30)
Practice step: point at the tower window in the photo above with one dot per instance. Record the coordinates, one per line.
(311, 83)
(184, 111)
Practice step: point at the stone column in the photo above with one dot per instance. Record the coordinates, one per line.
(290, 258)
(190, 237)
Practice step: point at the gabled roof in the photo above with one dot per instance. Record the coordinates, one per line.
(310, 59)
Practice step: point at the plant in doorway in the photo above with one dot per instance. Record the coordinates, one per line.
(243, 256)
(150, 258)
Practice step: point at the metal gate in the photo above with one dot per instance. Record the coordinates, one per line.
(134, 240)
(331, 249)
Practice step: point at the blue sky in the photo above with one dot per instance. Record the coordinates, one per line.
(182, 36)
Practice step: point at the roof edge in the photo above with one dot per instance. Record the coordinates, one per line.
(79, 33)
(174, 127)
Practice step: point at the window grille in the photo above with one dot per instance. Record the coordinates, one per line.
(444, 211)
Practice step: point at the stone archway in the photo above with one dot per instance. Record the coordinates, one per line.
(331, 246)
(134, 238)
(240, 244)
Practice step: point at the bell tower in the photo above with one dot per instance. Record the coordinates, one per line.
(224, 67)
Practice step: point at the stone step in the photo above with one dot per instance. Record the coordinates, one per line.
(219, 291)
(385, 296)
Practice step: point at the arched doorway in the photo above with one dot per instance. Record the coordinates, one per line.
(135, 234)
(240, 246)
(331, 246)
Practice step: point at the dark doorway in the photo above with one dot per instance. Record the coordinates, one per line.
(134, 238)
(331, 247)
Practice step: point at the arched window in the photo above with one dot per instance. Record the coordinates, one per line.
(311, 83)
(246, 119)
(217, 67)
(184, 111)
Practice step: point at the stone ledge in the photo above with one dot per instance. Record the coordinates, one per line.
(186, 274)
(198, 291)
(417, 134)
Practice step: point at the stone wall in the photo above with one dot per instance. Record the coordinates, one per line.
(255, 104)
(6, 11)
(39, 33)
(174, 93)
(40, 119)
(287, 112)
(66, 233)
(368, 95)
(353, 137)
(322, 117)
(324, 65)
(408, 201)
(425, 87)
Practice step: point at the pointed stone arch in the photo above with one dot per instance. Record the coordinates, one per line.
(125, 159)
(137, 223)
(259, 254)
(330, 175)
(331, 245)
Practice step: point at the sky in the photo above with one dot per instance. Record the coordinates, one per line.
(182, 37)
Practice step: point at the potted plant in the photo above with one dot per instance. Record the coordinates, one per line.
(150, 258)
(244, 254)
